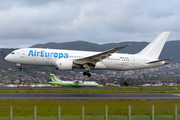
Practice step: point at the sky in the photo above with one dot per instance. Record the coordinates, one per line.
(24, 23)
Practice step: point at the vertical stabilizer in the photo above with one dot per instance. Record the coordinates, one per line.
(54, 78)
(154, 49)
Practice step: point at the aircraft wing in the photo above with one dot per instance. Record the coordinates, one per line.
(92, 60)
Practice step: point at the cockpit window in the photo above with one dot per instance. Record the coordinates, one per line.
(13, 53)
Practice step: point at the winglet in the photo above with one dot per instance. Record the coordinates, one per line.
(115, 49)
(119, 48)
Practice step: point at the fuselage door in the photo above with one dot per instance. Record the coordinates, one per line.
(22, 54)
(133, 61)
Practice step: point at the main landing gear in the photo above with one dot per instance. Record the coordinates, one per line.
(87, 73)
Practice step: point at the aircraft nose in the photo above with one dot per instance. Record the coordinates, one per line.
(7, 58)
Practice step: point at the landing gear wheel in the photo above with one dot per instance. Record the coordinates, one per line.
(19, 69)
(87, 73)
(84, 73)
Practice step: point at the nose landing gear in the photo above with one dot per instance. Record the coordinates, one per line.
(19, 69)
(19, 65)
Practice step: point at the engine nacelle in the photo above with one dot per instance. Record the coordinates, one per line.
(64, 64)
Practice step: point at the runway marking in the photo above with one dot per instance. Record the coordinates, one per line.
(176, 94)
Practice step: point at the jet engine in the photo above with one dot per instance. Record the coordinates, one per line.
(64, 64)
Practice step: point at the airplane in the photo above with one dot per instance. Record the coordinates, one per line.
(75, 83)
(11, 85)
(67, 60)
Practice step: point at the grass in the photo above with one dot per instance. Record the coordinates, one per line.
(49, 108)
(113, 90)
(135, 117)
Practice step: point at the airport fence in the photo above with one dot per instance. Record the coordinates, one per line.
(83, 115)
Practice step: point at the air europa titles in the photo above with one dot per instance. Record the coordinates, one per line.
(47, 54)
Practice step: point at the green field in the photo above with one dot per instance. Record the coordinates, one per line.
(78, 90)
(114, 117)
(92, 107)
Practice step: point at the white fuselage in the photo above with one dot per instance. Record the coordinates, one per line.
(48, 57)
(80, 83)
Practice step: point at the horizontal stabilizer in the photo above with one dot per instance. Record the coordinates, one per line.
(159, 60)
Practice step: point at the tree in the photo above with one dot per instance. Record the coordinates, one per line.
(126, 83)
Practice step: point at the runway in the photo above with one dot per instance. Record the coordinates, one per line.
(60, 88)
(82, 96)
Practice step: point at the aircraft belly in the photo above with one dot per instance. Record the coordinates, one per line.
(113, 65)
(35, 61)
(122, 65)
